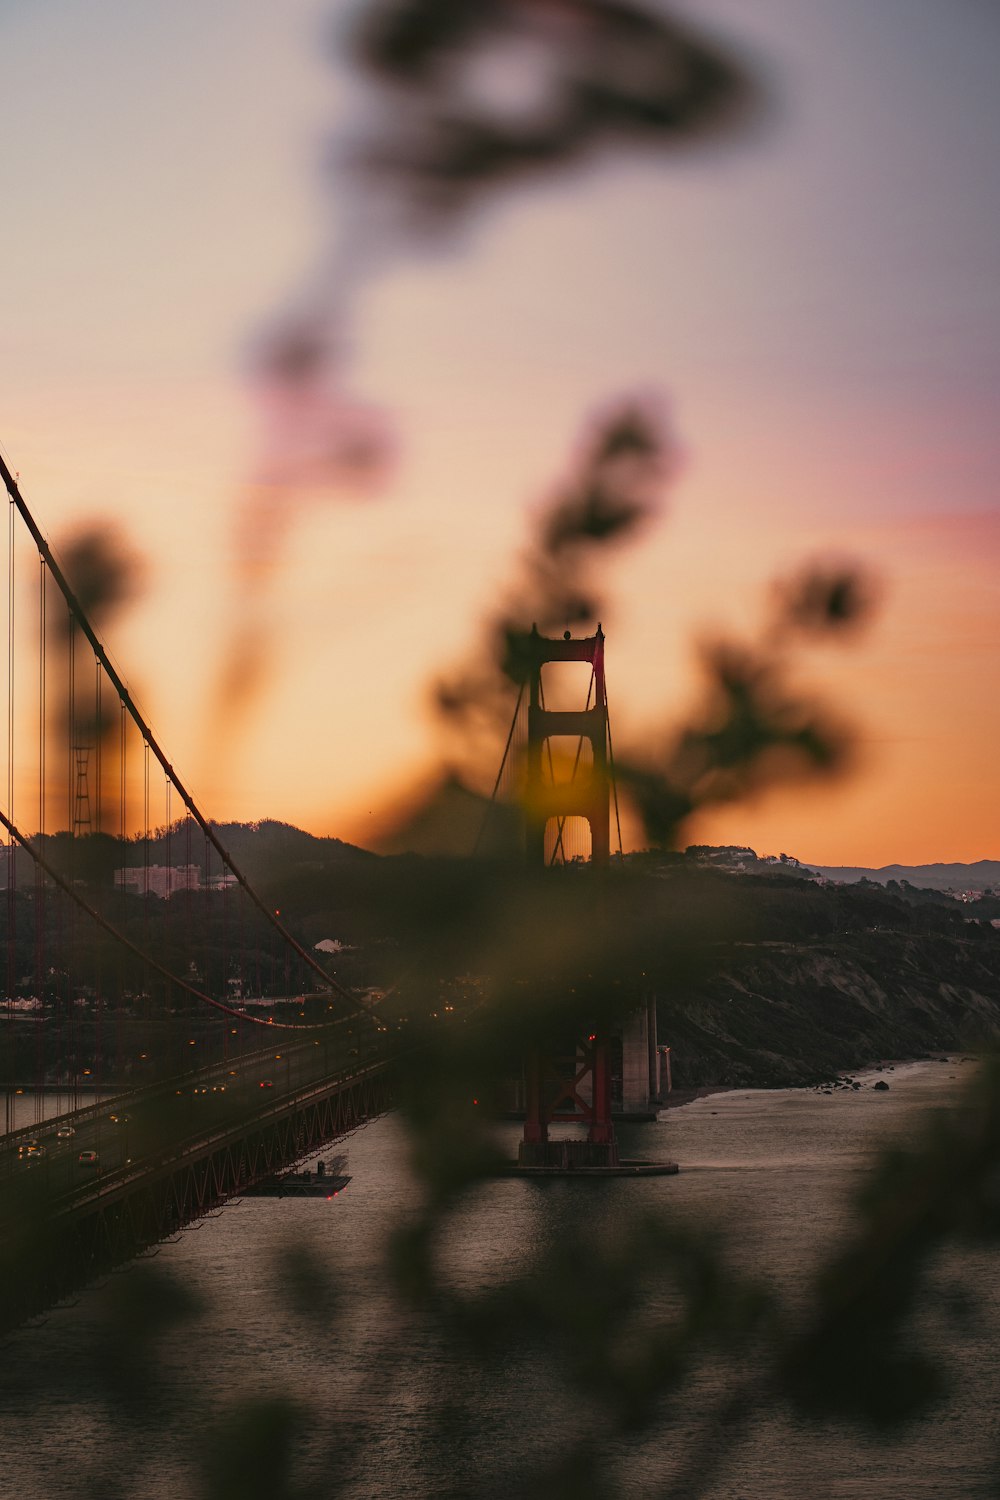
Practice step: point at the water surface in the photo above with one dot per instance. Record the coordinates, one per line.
(394, 1408)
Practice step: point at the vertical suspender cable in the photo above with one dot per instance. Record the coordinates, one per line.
(188, 930)
(98, 742)
(41, 697)
(123, 970)
(70, 722)
(614, 781)
(92, 1029)
(122, 780)
(145, 819)
(503, 762)
(11, 865)
(40, 976)
(168, 856)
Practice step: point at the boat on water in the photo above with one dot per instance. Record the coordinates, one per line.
(327, 1179)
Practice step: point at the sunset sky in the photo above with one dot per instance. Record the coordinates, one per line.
(815, 301)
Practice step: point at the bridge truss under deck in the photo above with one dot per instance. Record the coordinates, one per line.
(48, 1252)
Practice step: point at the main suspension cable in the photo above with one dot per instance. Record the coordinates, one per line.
(80, 616)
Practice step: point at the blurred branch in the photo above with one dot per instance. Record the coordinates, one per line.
(486, 95)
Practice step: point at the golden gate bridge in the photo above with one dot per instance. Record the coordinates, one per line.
(201, 1045)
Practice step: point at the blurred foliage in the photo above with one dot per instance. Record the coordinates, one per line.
(103, 572)
(572, 1320)
(106, 576)
(487, 94)
(612, 491)
(756, 726)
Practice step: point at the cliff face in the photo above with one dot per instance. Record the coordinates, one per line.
(784, 1013)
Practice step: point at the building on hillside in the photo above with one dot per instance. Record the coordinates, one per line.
(159, 880)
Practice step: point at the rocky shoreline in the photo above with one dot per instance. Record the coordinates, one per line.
(845, 1081)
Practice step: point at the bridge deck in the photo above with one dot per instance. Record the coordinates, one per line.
(166, 1156)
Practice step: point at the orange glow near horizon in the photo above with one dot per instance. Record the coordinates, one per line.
(916, 685)
(815, 300)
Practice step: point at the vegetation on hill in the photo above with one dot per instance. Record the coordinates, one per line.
(768, 978)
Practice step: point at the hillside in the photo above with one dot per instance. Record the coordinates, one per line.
(264, 851)
(982, 875)
(827, 978)
(763, 978)
(763, 975)
(781, 1014)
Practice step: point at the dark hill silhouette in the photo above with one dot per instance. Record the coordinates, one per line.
(265, 851)
(763, 976)
(269, 850)
(981, 875)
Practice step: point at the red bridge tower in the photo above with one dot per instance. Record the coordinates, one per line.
(577, 1088)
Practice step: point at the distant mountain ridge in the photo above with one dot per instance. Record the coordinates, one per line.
(982, 875)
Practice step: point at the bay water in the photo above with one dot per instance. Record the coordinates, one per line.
(297, 1310)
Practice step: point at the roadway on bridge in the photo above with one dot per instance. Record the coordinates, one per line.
(139, 1127)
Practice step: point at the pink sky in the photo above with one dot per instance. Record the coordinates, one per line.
(818, 303)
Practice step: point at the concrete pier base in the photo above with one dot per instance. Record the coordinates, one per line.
(566, 1156)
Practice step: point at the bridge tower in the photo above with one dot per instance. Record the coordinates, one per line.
(578, 1086)
(589, 795)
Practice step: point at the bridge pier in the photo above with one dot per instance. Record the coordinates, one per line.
(640, 1082)
(576, 1088)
